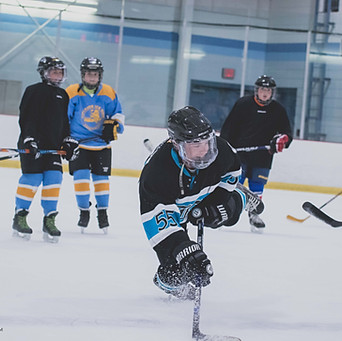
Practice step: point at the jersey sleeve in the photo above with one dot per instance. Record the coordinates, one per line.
(231, 127)
(160, 215)
(113, 107)
(231, 166)
(284, 126)
(29, 108)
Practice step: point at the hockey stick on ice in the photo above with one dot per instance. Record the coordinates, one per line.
(290, 217)
(196, 333)
(318, 213)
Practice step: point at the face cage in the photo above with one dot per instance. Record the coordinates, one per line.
(256, 88)
(88, 85)
(200, 162)
(46, 75)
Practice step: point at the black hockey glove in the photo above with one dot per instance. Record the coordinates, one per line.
(70, 146)
(194, 262)
(214, 209)
(278, 143)
(31, 144)
(109, 131)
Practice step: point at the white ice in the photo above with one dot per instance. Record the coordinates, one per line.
(284, 285)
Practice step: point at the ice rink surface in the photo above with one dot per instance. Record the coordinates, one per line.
(284, 285)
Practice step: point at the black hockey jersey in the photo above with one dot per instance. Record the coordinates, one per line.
(44, 115)
(249, 124)
(168, 191)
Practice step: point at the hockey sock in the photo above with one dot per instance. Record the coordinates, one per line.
(82, 188)
(50, 192)
(101, 188)
(26, 190)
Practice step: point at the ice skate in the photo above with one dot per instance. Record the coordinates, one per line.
(51, 233)
(102, 219)
(84, 219)
(257, 225)
(253, 202)
(182, 292)
(20, 226)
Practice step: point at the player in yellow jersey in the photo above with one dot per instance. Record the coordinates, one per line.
(96, 118)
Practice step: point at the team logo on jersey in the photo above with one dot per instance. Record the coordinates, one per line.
(93, 116)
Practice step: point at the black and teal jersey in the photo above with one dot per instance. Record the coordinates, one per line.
(168, 191)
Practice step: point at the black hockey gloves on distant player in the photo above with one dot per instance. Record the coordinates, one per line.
(194, 262)
(218, 208)
(31, 144)
(70, 146)
(278, 143)
(109, 131)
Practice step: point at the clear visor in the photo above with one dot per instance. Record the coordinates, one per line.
(199, 153)
(55, 75)
(264, 95)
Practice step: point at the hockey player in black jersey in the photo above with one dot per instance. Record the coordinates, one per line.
(256, 121)
(192, 169)
(43, 124)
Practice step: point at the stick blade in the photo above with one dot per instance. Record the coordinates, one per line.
(219, 338)
(319, 214)
(290, 217)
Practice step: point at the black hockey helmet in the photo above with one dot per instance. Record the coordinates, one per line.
(91, 64)
(189, 131)
(265, 82)
(46, 64)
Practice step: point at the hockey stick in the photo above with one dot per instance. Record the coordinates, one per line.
(89, 139)
(196, 333)
(252, 149)
(318, 213)
(9, 157)
(149, 146)
(27, 151)
(290, 217)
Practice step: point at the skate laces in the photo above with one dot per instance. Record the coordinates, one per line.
(252, 203)
(50, 223)
(22, 222)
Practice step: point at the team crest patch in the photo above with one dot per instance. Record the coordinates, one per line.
(93, 116)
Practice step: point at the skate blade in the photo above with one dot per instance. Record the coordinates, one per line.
(25, 236)
(82, 230)
(105, 230)
(257, 230)
(50, 239)
(205, 337)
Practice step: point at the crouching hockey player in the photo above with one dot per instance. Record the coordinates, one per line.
(43, 124)
(192, 169)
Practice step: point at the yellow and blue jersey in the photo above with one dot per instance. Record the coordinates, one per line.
(88, 112)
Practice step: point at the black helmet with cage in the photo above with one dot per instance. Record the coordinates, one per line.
(46, 64)
(265, 82)
(193, 137)
(91, 64)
